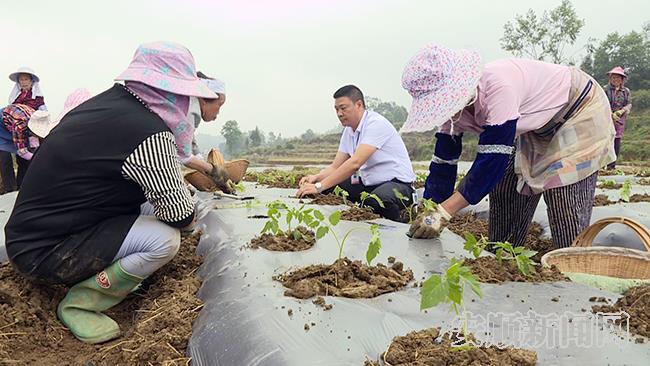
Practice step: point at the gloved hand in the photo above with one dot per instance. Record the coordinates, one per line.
(221, 178)
(429, 224)
(620, 112)
(615, 117)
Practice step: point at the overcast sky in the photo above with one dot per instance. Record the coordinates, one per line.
(281, 59)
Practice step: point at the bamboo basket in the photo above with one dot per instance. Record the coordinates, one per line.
(604, 261)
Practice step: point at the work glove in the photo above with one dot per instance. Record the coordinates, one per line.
(616, 117)
(221, 178)
(429, 223)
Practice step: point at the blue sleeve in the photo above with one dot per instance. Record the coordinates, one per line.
(443, 168)
(495, 146)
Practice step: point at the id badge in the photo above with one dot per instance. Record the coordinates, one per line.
(354, 179)
(414, 196)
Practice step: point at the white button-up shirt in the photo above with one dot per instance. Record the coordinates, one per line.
(390, 161)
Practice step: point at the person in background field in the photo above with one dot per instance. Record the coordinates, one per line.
(620, 101)
(544, 130)
(25, 98)
(206, 110)
(372, 157)
(79, 217)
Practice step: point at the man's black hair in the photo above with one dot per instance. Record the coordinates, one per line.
(351, 92)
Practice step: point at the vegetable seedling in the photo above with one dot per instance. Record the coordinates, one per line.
(340, 192)
(403, 199)
(374, 246)
(366, 195)
(429, 205)
(473, 245)
(449, 288)
(626, 191)
(308, 217)
(520, 255)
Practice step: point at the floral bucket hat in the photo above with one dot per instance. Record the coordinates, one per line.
(166, 66)
(441, 81)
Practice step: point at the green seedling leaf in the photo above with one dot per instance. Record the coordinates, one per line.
(523, 264)
(366, 195)
(399, 195)
(335, 218)
(321, 232)
(429, 205)
(626, 191)
(375, 244)
(528, 253)
(319, 215)
(434, 292)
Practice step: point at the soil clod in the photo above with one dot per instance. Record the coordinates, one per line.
(355, 213)
(635, 302)
(430, 347)
(489, 270)
(285, 243)
(345, 278)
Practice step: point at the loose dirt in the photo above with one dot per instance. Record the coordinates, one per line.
(488, 269)
(156, 320)
(285, 243)
(355, 213)
(477, 226)
(276, 178)
(602, 200)
(429, 347)
(640, 198)
(345, 278)
(609, 185)
(327, 200)
(635, 302)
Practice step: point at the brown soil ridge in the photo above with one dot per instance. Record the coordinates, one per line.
(345, 278)
(356, 213)
(635, 302)
(477, 226)
(640, 198)
(429, 347)
(327, 200)
(156, 323)
(489, 270)
(603, 200)
(284, 243)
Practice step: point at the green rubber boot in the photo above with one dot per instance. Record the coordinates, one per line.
(80, 310)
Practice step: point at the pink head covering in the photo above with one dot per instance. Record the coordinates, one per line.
(441, 81)
(40, 123)
(163, 74)
(617, 71)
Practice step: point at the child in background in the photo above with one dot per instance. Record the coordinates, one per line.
(25, 98)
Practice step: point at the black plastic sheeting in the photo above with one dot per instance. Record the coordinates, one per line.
(245, 320)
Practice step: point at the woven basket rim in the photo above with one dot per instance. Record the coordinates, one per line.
(596, 251)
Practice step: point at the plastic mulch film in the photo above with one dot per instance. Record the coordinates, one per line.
(246, 318)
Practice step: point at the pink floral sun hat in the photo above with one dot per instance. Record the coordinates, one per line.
(166, 66)
(617, 71)
(441, 81)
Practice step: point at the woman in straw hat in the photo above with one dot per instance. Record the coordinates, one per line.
(620, 101)
(25, 98)
(78, 220)
(544, 130)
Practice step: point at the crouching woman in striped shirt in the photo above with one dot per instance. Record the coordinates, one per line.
(544, 130)
(78, 219)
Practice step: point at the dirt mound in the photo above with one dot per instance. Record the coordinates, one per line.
(488, 269)
(345, 278)
(429, 347)
(644, 182)
(477, 226)
(276, 178)
(635, 302)
(610, 185)
(602, 200)
(327, 200)
(284, 243)
(640, 198)
(156, 320)
(355, 213)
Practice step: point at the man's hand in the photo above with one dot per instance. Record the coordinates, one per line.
(306, 189)
(311, 179)
(429, 224)
(616, 117)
